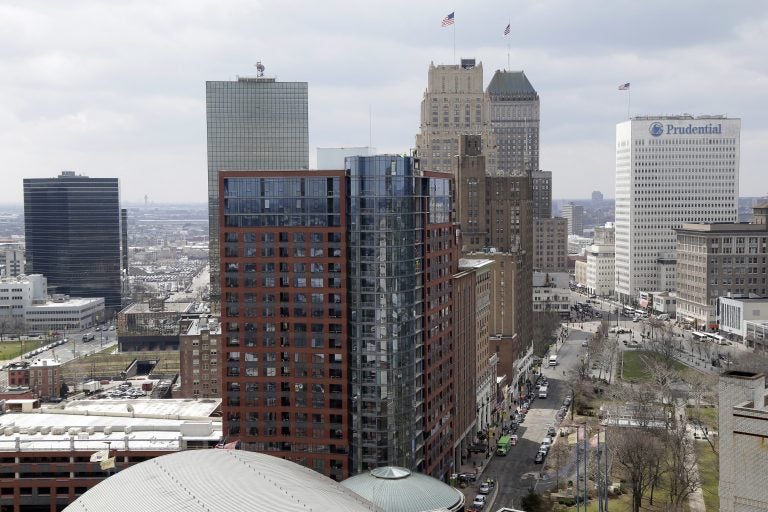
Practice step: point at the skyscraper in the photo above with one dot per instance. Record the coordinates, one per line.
(72, 230)
(253, 123)
(669, 170)
(453, 105)
(574, 213)
(336, 315)
(513, 106)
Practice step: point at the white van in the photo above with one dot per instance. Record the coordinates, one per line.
(552, 360)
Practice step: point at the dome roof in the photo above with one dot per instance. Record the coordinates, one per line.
(219, 481)
(397, 489)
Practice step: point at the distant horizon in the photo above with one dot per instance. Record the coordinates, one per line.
(204, 204)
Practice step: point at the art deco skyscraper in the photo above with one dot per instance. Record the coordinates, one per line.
(253, 123)
(513, 106)
(453, 105)
(72, 230)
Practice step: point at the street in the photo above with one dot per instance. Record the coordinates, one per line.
(516, 472)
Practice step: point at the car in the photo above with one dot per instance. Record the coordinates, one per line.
(539, 458)
(585, 343)
(485, 488)
(551, 432)
(467, 477)
(98, 328)
(479, 501)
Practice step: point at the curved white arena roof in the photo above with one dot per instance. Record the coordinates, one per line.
(219, 481)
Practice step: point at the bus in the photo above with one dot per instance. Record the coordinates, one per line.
(698, 336)
(720, 340)
(628, 311)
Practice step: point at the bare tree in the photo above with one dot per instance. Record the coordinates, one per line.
(558, 457)
(545, 328)
(680, 466)
(637, 451)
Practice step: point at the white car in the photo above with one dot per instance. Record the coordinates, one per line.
(485, 488)
(479, 501)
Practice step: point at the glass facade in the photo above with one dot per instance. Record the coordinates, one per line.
(252, 124)
(335, 285)
(72, 228)
(386, 304)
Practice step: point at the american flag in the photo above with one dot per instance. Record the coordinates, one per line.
(507, 30)
(448, 20)
(624, 87)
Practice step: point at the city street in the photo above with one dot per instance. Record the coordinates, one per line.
(516, 472)
(73, 348)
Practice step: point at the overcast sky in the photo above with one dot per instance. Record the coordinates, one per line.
(117, 88)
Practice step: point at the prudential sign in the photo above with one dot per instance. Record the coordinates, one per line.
(658, 129)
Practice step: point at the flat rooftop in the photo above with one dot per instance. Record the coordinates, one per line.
(72, 302)
(184, 408)
(168, 307)
(151, 425)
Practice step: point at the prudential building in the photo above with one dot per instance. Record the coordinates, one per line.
(669, 170)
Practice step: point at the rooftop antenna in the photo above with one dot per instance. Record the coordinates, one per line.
(259, 70)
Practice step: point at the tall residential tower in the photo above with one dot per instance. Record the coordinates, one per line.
(337, 315)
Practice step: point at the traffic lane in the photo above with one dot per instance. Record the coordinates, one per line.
(517, 472)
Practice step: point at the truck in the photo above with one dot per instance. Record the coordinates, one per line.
(552, 360)
(88, 337)
(503, 445)
(91, 386)
(543, 392)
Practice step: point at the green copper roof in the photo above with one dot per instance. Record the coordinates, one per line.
(510, 82)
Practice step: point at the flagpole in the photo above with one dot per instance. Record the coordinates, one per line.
(454, 39)
(509, 66)
(629, 102)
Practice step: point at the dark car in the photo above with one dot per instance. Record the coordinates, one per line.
(539, 459)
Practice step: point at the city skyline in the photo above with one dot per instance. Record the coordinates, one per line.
(119, 91)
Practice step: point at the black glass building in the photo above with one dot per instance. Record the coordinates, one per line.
(72, 227)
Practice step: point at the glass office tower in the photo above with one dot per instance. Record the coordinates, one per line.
(253, 123)
(72, 228)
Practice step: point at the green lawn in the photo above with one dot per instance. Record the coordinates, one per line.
(707, 415)
(12, 349)
(635, 368)
(709, 472)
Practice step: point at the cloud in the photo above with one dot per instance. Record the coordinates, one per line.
(118, 88)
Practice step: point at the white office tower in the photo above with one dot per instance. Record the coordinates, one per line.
(669, 170)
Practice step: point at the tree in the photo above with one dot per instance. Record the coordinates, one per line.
(533, 502)
(558, 457)
(545, 328)
(64, 390)
(638, 451)
(680, 466)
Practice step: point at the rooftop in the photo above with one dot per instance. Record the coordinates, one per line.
(397, 489)
(71, 303)
(168, 307)
(177, 408)
(510, 82)
(220, 481)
